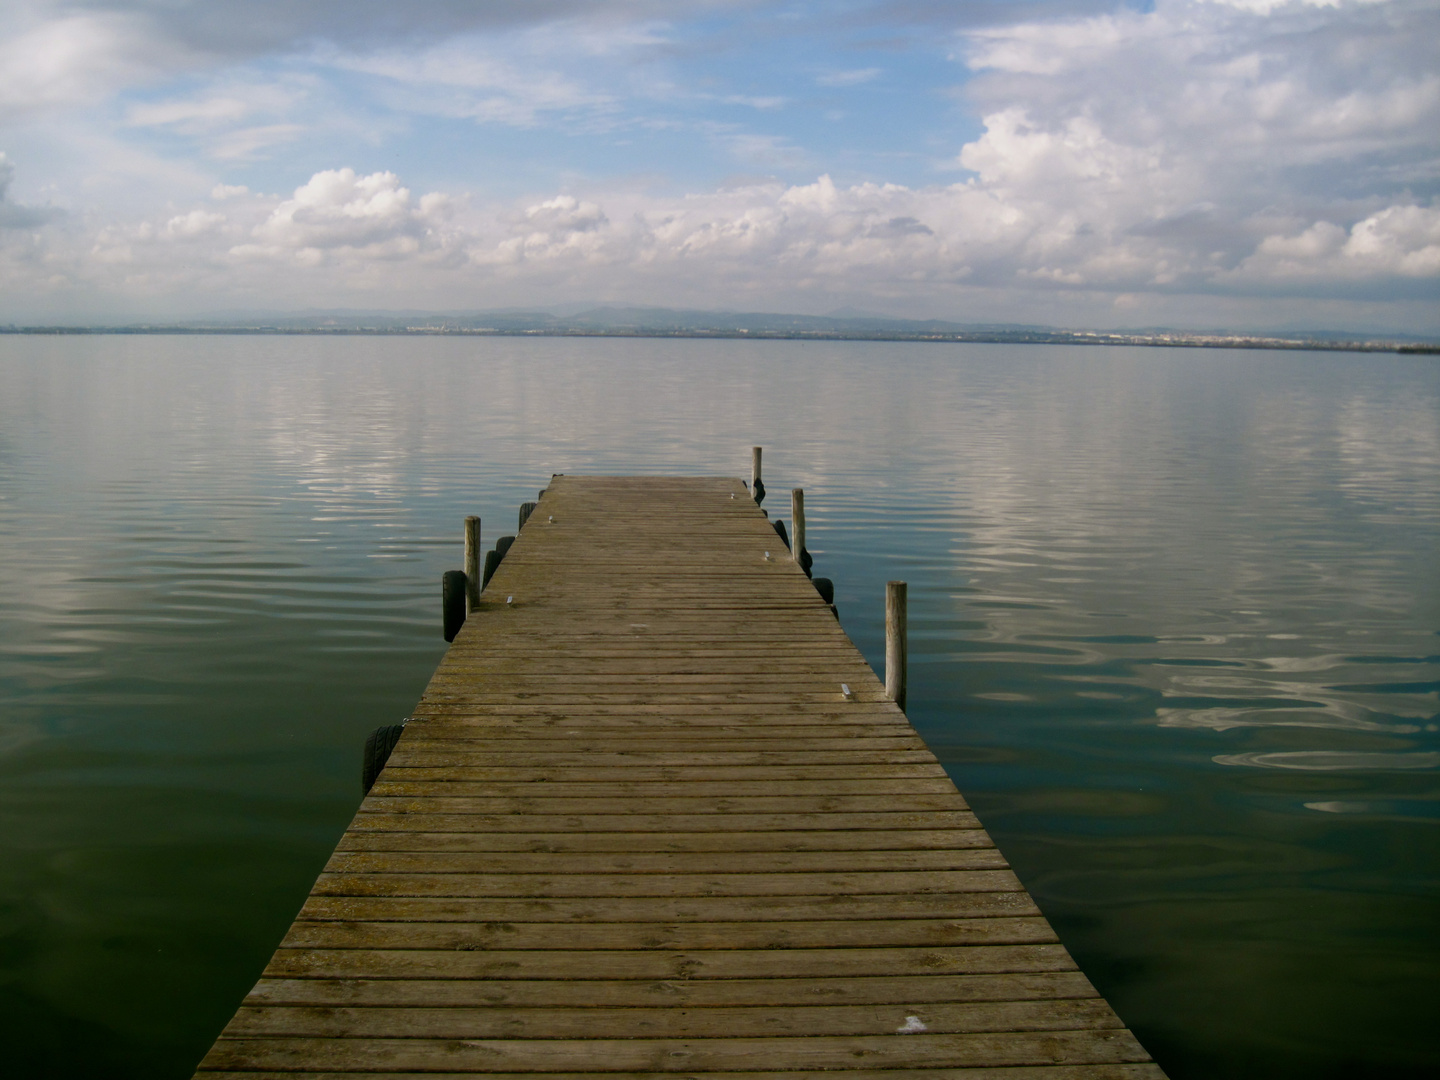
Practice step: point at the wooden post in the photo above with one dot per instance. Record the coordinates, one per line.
(896, 646)
(797, 522)
(452, 602)
(472, 563)
(757, 485)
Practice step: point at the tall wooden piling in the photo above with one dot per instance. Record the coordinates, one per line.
(755, 452)
(472, 563)
(896, 644)
(797, 523)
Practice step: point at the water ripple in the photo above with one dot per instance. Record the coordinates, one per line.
(1332, 761)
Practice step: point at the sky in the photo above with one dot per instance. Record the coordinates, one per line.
(1201, 164)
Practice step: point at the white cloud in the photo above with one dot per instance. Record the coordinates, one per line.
(202, 114)
(762, 103)
(1157, 150)
(562, 230)
(74, 59)
(565, 214)
(848, 78)
(192, 226)
(223, 120)
(13, 215)
(465, 78)
(1399, 241)
(340, 213)
(810, 236)
(243, 143)
(769, 151)
(121, 38)
(1265, 7)
(223, 104)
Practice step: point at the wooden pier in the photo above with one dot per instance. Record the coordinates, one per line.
(636, 827)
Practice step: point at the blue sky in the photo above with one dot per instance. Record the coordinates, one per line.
(1201, 163)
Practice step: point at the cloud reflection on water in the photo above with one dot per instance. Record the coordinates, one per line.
(1328, 761)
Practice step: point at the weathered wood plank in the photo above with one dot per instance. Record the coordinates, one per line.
(834, 933)
(1109, 1071)
(696, 993)
(718, 712)
(579, 823)
(759, 763)
(429, 783)
(540, 803)
(566, 842)
(639, 772)
(665, 964)
(493, 1022)
(665, 909)
(674, 730)
(815, 1052)
(635, 746)
(982, 855)
(668, 884)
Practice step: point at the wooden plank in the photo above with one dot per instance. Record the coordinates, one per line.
(491, 1022)
(1108, 1071)
(665, 964)
(690, 842)
(812, 1052)
(578, 824)
(619, 697)
(667, 884)
(428, 754)
(655, 753)
(434, 782)
(774, 774)
(635, 829)
(682, 723)
(666, 910)
(590, 936)
(541, 803)
(696, 993)
(667, 863)
(639, 745)
(719, 712)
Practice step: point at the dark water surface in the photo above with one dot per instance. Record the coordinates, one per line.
(1174, 624)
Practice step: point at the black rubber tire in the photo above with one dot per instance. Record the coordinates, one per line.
(826, 588)
(759, 492)
(502, 546)
(526, 509)
(377, 751)
(492, 560)
(780, 531)
(452, 602)
(806, 561)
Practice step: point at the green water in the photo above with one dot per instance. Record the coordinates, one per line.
(1174, 623)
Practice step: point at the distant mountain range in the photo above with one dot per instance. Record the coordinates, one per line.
(612, 321)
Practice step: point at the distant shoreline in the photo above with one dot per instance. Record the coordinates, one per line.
(1017, 337)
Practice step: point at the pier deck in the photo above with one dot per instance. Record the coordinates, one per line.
(635, 828)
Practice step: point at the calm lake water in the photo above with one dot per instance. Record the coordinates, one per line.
(1174, 623)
